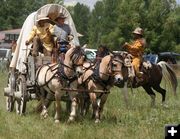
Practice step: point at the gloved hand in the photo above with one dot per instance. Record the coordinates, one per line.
(125, 45)
(27, 42)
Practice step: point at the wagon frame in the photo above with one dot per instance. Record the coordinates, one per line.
(21, 86)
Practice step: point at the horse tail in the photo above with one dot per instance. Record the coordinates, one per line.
(169, 75)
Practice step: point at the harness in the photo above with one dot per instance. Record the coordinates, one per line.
(49, 68)
(96, 77)
(63, 76)
(60, 74)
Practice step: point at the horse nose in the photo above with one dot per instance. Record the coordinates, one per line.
(118, 79)
(79, 71)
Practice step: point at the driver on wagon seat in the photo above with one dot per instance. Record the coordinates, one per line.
(136, 49)
(41, 37)
(62, 31)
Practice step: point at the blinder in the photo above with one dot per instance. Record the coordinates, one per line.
(113, 66)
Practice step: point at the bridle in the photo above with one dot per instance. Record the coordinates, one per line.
(111, 66)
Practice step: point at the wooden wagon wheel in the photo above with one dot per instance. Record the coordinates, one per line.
(21, 88)
(10, 99)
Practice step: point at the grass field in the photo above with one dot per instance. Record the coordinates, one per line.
(139, 121)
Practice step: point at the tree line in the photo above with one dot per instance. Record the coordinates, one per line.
(111, 22)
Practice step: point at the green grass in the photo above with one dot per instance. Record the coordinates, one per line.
(139, 121)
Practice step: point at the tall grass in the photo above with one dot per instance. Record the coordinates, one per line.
(139, 121)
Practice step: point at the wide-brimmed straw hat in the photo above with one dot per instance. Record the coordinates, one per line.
(42, 17)
(45, 18)
(138, 31)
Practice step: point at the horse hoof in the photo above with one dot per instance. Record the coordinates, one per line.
(44, 115)
(57, 121)
(70, 120)
(97, 121)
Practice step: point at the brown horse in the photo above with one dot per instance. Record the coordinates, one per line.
(99, 79)
(54, 78)
(152, 78)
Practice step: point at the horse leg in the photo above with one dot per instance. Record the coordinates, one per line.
(96, 102)
(94, 105)
(87, 104)
(84, 103)
(47, 103)
(102, 102)
(73, 110)
(58, 106)
(162, 92)
(44, 113)
(80, 103)
(151, 93)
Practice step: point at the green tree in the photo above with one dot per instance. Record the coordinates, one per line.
(158, 18)
(13, 13)
(95, 28)
(80, 15)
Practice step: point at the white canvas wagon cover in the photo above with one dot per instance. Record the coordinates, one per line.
(22, 51)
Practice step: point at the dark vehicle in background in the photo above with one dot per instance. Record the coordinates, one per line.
(169, 57)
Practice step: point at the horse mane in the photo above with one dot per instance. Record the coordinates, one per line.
(104, 52)
(77, 52)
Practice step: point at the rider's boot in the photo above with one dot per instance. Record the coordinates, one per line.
(139, 77)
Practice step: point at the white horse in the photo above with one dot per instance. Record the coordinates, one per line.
(99, 80)
(61, 78)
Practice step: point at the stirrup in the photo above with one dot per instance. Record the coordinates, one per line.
(139, 74)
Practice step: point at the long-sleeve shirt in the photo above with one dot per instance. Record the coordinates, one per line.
(136, 49)
(44, 35)
(61, 32)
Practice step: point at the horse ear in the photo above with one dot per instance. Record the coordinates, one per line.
(111, 54)
(84, 46)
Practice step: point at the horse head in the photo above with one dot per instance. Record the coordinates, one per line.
(111, 67)
(74, 59)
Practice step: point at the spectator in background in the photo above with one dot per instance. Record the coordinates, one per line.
(13, 46)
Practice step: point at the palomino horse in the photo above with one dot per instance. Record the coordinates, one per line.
(99, 79)
(53, 78)
(151, 79)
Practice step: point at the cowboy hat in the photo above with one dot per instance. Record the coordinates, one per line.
(47, 19)
(138, 31)
(42, 17)
(61, 15)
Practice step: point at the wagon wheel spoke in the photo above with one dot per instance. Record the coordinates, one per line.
(21, 89)
(10, 99)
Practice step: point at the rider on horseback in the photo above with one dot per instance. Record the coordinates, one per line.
(101, 52)
(136, 49)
